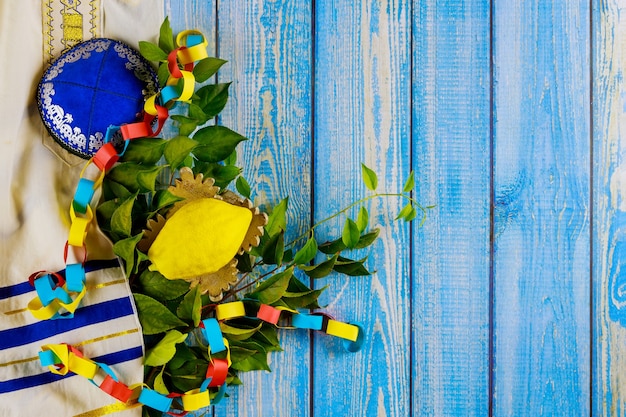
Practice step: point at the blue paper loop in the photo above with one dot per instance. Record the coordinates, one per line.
(307, 321)
(155, 400)
(75, 277)
(83, 196)
(213, 335)
(358, 343)
(47, 291)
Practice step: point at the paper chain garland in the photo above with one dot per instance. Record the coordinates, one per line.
(59, 296)
(63, 358)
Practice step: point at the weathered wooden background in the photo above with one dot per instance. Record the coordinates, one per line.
(511, 300)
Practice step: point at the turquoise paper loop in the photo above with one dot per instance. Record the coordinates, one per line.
(193, 40)
(47, 292)
(84, 193)
(168, 93)
(111, 130)
(155, 400)
(355, 346)
(213, 335)
(75, 277)
(205, 384)
(220, 394)
(48, 358)
(307, 321)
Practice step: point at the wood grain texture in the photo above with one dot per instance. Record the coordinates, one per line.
(268, 45)
(609, 220)
(542, 222)
(451, 142)
(362, 114)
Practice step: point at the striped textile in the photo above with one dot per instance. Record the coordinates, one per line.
(36, 188)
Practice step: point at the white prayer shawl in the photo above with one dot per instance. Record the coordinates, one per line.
(36, 189)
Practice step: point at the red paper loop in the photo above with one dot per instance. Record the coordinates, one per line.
(106, 157)
(136, 130)
(268, 314)
(116, 389)
(172, 63)
(66, 250)
(217, 371)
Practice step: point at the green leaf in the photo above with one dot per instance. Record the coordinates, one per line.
(232, 158)
(165, 350)
(351, 234)
(243, 187)
(269, 337)
(177, 149)
(144, 150)
(113, 190)
(406, 212)
(154, 284)
(320, 270)
(274, 249)
(330, 248)
(191, 307)
(159, 384)
(239, 333)
(196, 113)
(163, 73)
(244, 263)
(363, 219)
(186, 125)
(190, 375)
(151, 51)
(410, 183)
(350, 267)
(166, 38)
(122, 219)
(213, 98)
(256, 362)
(273, 288)
(239, 354)
(206, 68)
(302, 299)
(216, 143)
(135, 177)
(306, 253)
(162, 199)
(369, 177)
(146, 179)
(155, 317)
(367, 239)
(277, 220)
(183, 354)
(222, 174)
(125, 249)
(104, 212)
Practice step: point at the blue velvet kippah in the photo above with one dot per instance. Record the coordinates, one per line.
(96, 84)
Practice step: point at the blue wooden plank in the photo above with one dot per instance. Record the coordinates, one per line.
(609, 219)
(268, 45)
(542, 213)
(362, 114)
(451, 153)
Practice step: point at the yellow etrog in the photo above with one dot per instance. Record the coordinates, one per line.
(200, 238)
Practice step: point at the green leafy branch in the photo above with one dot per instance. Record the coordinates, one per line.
(275, 273)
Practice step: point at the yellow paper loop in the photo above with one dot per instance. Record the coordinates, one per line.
(228, 311)
(195, 400)
(342, 330)
(192, 54)
(189, 82)
(43, 313)
(78, 229)
(82, 366)
(150, 105)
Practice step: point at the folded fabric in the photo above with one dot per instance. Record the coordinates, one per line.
(36, 190)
